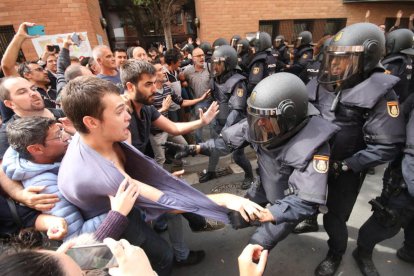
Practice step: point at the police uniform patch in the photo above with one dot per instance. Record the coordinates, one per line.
(393, 109)
(256, 70)
(240, 92)
(321, 163)
(338, 36)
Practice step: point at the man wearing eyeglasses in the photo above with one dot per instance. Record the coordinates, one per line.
(22, 97)
(198, 79)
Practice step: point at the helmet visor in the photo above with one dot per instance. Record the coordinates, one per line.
(262, 128)
(218, 65)
(278, 43)
(298, 42)
(233, 43)
(340, 64)
(239, 48)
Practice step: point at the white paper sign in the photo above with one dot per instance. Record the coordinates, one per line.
(84, 48)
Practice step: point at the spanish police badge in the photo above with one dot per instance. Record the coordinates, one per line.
(240, 92)
(393, 109)
(321, 163)
(256, 70)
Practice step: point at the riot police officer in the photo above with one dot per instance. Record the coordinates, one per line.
(280, 52)
(229, 90)
(291, 142)
(234, 40)
(206, 47)
(219, 42)
(302, 55)
(262, 63)
(353, 92)
(399, 49)
(242, 49)
(393, 210)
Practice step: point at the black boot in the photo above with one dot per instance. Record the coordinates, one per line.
(328, 266)
(405, 254)
(365, 263)
(247, 182)
(307, 225)
(207, 176)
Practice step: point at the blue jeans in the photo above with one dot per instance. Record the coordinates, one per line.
(199, 132)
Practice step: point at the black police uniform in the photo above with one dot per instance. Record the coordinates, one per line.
(400, 65)
(231, 96)
(282, 57)
(293, 175)
(371, 131)
(263, 64)
(303, 55)
(394, 209)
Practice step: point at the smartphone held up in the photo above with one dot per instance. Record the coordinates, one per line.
(93, 256)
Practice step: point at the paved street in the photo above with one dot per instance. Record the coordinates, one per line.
(296, 255)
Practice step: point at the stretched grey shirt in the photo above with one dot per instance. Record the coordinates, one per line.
(86, 179)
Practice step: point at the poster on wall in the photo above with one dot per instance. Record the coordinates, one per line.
(84, 49)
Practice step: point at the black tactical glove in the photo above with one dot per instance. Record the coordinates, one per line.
(180, 150)
(238, 222)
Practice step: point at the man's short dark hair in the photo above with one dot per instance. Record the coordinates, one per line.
(132, 70)
(120, 50)
(27, 131)
(83, 97)
(172, 56)
(23, 68)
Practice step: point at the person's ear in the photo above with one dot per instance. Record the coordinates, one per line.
(90, 122)
(35, 149)
(8, 103)
(130, 86)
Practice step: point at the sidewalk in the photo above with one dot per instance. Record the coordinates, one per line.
(297, 254)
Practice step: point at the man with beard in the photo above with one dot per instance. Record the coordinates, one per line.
(139, 77)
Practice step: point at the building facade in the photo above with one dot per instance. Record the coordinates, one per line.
(226, 18)
(58, 17)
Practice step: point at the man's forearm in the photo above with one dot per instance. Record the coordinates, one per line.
(12, 188)
(186, 127)
(187, 103)
(8, 61)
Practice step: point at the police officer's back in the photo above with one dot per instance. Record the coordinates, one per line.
(280, 52)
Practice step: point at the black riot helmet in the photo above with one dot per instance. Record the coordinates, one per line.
(242, 46)
(352, 55)
(219, 42)
(277, 109)
(400, 41)
(304, 38)
(279, 41)
(234, 40)
(206, 47)
(223, 60)
(259, 41)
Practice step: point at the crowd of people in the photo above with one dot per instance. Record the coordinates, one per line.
(84, 146)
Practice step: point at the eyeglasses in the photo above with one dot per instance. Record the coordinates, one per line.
(38, 69)
(60, 136)
(199, 56)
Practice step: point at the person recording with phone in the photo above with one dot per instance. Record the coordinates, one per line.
(31, 71)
